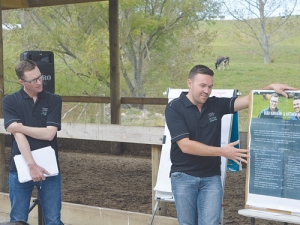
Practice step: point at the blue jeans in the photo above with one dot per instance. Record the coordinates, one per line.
(198, 200)
(49, 192)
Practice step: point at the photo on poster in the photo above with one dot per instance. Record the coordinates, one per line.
(274, 144)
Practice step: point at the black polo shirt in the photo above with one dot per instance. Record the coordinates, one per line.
(46, 111)
(184, 120)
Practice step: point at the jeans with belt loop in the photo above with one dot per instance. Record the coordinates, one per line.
(198, 200)
(49, 192)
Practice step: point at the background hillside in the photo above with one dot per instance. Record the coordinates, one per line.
(247, 70)
(168, 65)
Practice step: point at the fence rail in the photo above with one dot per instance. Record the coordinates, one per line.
(123, 100)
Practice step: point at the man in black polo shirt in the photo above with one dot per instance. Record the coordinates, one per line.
(194, 121)
(33, 117)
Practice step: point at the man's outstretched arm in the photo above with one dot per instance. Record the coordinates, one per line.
(243, 102)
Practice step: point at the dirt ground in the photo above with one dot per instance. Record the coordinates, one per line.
(123, 182)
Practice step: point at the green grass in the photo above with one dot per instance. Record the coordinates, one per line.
(247, 72)
(247, 69)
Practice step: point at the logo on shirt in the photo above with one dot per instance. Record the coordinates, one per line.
(212, 117)
(44, 111)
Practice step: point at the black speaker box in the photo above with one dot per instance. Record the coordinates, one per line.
(45, 62)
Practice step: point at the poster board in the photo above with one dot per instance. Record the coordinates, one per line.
(163, 185)
(273, 174)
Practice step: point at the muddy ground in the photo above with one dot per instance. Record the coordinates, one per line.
(124, 182)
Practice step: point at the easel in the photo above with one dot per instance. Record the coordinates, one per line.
(253, 214)
(40, 211)
(260, 203)
(157, 206)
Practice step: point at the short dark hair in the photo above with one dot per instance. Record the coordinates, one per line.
(297, 97)
(23, 66)
(200, 69)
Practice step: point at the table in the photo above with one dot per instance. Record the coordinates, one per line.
(252, 213)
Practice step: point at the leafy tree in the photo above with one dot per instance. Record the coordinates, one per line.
(169, 69)
(79, 38)
(152, 33)
(262, 21)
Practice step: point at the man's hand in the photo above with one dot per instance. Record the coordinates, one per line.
(280, 88)
(37, 172)
(235, 154)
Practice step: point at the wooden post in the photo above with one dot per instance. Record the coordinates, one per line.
(102, 113)
(115, 97)
(156, 153)
(2, 144)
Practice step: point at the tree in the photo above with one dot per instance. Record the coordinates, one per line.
(78, 35)
(151, 30)
(268, 21)
(170, 68)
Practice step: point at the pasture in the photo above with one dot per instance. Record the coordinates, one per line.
(247, 69)
(246, 72)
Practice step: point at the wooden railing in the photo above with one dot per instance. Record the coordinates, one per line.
(115, 133)
(124, 100)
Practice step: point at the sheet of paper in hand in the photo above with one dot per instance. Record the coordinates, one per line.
(44, 157)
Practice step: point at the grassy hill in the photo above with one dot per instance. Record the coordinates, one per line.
(247, 72)
(247, 69)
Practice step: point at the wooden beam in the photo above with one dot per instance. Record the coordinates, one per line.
(19, 4)
(144, 101)
(15, 4)
(114, 50)
(112, 132)
(2, 144)
(41, 3)
(155, 156)
(88, 99)
(107, 132)
(124, 100)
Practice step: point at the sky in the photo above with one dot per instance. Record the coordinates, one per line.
(276, 13)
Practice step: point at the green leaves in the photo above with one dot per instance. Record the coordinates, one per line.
(152, 33)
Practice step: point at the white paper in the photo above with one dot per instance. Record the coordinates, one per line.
(44, 157)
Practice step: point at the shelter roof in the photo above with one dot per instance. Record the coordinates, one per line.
(18, 4)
